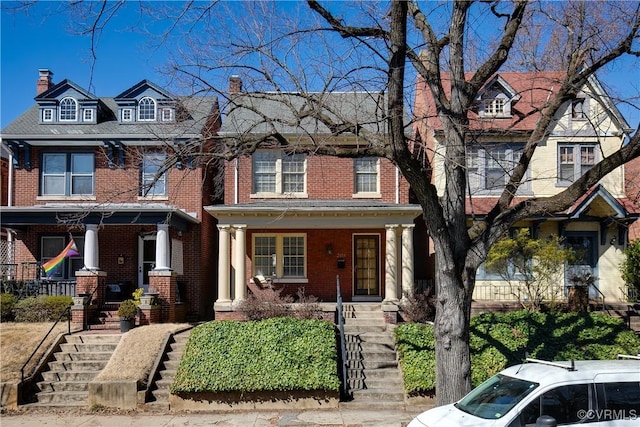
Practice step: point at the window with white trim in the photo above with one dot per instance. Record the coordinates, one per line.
(68, 110)
(366, 174)
(153, 179)
(574, 160)
(490, 166)
(51, 246)
(167, 114)
(495, 107)
(279, 255)
(47, 115)
(127, 115)
(87, 115)
(579, 109)
(67, 174)
(146, 109)
(275, 172)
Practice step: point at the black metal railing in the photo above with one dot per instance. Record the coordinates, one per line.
(343, 345)
(33, 288)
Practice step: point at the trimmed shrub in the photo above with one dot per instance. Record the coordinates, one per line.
(7, 301)
(279, 354)
(41, 309)
(501, 340)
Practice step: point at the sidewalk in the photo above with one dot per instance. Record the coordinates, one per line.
(326, 418)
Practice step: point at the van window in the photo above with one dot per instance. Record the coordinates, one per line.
(496, 396)
(567, 404)
(620, 399)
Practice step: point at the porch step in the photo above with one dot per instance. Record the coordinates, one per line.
(159, 398)
(66, 381)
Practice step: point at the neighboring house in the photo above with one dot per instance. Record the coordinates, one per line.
(304, 221)
(585, 130)
(115, 175)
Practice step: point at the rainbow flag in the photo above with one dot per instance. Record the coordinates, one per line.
(70, 250)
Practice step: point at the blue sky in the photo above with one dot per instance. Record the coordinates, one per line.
(43, 40)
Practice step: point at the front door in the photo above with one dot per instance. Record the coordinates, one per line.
(366, 249)
(585, 246)
(146, 259)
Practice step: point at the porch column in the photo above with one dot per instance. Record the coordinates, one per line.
(91, 254)
(391, 264)
(239, 249)
(407, 260)
(224, 290)
(162, 247)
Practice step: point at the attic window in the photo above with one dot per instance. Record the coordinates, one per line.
(495, 107)
(47, 115)
(68, 110)
(88, 115)
(126, 115)
(578, 109)
(167, 114)
(147, 109)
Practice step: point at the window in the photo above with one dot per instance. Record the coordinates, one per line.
(167, 114)
(619, 399)
(494, 107)
(146, 109)
(67, 174)
(68, 110)
(366, 175)
(277, 173)
(153, 181)
(279, 255)
(578, 109)
(489, 167)
(574, 161)
(126, 115)
(47, 115)
(51, 246)
(566, 404)
(88, 115)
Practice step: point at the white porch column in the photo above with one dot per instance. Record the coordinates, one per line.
(91, 253)
(391, 264)
(162, 247)
(239, 249)
(224, 287)
(407, 260)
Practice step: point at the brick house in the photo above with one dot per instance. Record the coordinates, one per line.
(116, 175)
(588, 128)
(304, 221)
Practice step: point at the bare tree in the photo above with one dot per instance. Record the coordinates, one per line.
(380, 47)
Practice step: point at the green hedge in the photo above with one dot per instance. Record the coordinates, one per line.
(501, 340)
(7, 301)
(278, 354)
(41, 309)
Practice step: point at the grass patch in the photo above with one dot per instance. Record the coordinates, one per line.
(279, 354)
(18, 341)
(501, 340)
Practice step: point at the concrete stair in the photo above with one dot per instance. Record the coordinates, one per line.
(80, 359)
(159, 397)
(372, 366)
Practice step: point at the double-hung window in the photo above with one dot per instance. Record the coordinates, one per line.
(574, 160)
(276, 173)
(366, 175)
(67, 174)
(282, 256)
(68, 110)
(490, 166)
(51, 246)
(153, 177)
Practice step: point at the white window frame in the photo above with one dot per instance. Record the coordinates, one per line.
(68, 174)
(127, 114)
(477, 158)
(47, 115)
(577, 160)
(67, 270)
(279, 257)
(167, 114)
(357, 172)
(278, 158)
(142, 108)
(64, 110)
(158, 187)
(579, 109)
(87, 115)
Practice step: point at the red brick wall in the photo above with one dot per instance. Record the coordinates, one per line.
(632, 189)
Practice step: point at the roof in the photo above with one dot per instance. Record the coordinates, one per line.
(293, 113)
(585, 370)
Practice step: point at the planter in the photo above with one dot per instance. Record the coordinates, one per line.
(148, 299)
(127, 324)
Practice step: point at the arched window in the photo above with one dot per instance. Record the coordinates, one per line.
(68, 110)
(146, 109)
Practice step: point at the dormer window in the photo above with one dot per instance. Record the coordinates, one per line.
(126, 115)
(47, 115)
(88, 115)
(167, 114)
(495, 107)
(147, 109)
(68, 110)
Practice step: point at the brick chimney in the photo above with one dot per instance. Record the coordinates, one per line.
(44, 82)
(235, 85)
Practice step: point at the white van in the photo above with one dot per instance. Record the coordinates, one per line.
(539, 393)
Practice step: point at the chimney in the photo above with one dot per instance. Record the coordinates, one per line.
(235, 85)
(44, 82)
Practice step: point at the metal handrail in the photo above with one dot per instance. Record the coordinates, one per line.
(592, 285)
(343, 345)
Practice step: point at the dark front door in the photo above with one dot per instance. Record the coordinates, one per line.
(366, 265)
(585, 246)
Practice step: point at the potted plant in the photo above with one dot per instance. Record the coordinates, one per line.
(127, 312)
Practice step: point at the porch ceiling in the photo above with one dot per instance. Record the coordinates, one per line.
(314, 214)
(19, 217)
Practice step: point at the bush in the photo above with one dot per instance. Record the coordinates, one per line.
(419, 307)
(630, 267)
(266, 305)
(44, 308)
(128, 309)
(280, 354)
(7, 301)
(501, 340)
(307, 306)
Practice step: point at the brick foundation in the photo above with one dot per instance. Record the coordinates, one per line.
(166, 284)
(88, 281)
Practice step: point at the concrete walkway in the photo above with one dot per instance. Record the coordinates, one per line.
(325, 418)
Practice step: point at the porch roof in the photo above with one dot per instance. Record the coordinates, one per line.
(19, 217)
(292, 213)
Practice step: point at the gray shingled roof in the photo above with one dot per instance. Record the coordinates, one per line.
(27, 126)
(292, 113)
